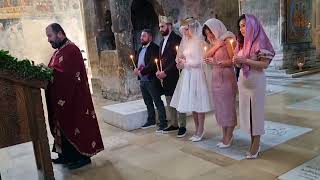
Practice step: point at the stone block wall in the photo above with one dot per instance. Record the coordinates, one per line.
(274, 18)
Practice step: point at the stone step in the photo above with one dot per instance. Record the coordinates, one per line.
(291, 73)
(307, 72)
(129, 115)
(272, 69)
(132, 115)
(279, 74)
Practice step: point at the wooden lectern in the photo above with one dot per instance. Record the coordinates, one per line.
(22, 118)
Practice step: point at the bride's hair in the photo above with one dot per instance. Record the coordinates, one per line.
(192, 25)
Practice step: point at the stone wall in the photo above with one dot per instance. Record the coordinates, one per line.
(316, 26)
(225, 10)
(275, 20)
(269, 18)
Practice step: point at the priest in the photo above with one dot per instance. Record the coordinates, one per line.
(72, 118)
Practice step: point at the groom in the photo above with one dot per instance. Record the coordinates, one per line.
(149, 84)
(170, 74)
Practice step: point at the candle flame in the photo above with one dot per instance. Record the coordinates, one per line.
(131, 56)
(177, 47)
(156, 60)
(205, 48)
(231, 41)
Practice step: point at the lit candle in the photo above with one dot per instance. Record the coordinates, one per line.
(231, 42)
(205, 51)
(134, 64)
(156, 61)
(160, 65)
(177, 48)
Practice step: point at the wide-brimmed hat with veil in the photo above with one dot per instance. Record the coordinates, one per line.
(192, 24)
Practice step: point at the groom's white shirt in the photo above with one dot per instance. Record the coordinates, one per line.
(165, 42)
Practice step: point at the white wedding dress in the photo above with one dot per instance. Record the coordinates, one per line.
(192, 91)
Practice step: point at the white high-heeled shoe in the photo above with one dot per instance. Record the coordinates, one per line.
(197, 138)
(253, 156)
(193, 136)
(222, 146)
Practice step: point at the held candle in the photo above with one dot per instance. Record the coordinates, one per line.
(205, 50)
(156, 61)
(177, 48)
(231, 42)
(131, 57)
(160, 65)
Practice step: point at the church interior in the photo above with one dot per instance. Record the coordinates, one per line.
(107, 32)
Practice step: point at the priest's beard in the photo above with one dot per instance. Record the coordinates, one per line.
(57, 43)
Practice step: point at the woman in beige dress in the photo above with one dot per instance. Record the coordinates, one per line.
(254, 53)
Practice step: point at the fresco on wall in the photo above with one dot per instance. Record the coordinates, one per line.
(14, 3)
(23, 23)
(11, 34)
(299, 21)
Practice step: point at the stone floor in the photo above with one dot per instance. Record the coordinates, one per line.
(144, 155)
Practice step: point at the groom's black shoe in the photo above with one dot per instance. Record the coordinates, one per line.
(170, 129)
(182, 132)
(148, 125)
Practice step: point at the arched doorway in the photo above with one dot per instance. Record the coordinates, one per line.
(105, 36)
(143, 16)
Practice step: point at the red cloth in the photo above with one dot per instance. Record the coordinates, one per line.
(69, 101)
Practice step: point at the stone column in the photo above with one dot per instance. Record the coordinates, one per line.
(89, 21)
(111, 69)
(122, 27)
(316, 26)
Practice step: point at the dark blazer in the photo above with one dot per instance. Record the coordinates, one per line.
(169, 63)
(150, 68)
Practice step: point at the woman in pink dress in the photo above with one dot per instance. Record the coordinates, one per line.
(254, 53)
(224, 84)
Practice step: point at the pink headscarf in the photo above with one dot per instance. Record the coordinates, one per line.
(256, 42)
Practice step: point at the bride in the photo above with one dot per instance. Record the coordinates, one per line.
(191, 93)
